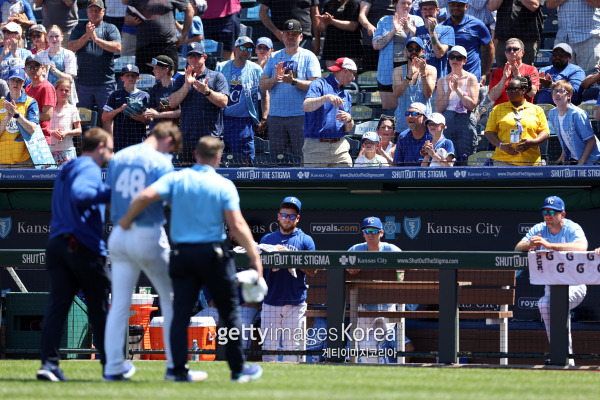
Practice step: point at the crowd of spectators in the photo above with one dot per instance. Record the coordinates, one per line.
(435, 62)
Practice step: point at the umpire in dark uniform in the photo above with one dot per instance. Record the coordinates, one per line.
(76, 251)
(201, 202)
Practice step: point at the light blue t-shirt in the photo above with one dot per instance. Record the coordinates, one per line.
(570, 232)
(286, 100)
(129, 172)
(198, 196)
(236, 106)
(196, 29)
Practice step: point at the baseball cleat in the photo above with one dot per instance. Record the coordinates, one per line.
(50, 372)
(128, 370)
(189, 376)
(249, 373)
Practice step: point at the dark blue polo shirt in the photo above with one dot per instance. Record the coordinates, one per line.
(321, 123)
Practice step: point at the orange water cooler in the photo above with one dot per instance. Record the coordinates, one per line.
(203, 329)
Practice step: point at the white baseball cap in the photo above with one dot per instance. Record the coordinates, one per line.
(343, 62)
(565, 47)
(436, 118)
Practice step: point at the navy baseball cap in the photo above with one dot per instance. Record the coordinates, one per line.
(372, 222)
(554, 203)
(32, 58)
(196, 47)
(130, 68)
(18, 73)
(292, 201)
(459, 1)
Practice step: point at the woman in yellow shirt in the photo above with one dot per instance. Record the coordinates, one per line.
(517, 128)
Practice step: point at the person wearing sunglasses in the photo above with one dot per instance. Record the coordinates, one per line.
(285, 302)
(12, 55)
(411, 141)
(42, 91)
(414, 82)
(372, 231)
(561, 68)
(517, 128)
(513, 68)
(39, 39)
(196, 33)
(456, 97)
(327, 120)
(241, 116)
(579, 143)
(202, 94)
(559, 234)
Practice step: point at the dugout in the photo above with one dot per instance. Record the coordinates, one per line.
(459, 208)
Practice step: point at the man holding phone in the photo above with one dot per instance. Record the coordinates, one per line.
(202, 94)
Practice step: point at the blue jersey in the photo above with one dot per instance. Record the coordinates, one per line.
(284, 289)
(78, 203)
(198, 196)
(126, 130)
(383, 246)
(286, 100)
(408, 149)
(570, 232)
(236, 105)
(130, 171)
(445, 35)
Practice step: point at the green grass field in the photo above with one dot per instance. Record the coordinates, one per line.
(305, 381)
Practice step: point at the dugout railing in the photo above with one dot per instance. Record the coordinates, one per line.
(336, 262)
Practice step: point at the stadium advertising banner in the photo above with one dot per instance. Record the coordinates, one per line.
(467, 230)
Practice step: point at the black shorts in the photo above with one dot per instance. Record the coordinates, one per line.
(384, 88)
(225, 30)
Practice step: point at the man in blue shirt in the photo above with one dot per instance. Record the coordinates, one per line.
(124, 115)
(409, 149)
(327, 117)
(287, 75)
(201, 202)
(76, 251)
(241, 114)
(437, 39)
(95, 44)
(471, 33)
(144, 247)
(285, 303)
(559, 234)
(202, 94)
(372, 230)
(561, 68)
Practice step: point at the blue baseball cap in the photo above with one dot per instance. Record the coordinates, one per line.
(554, 203)
(416, 40)
(292, 201)
(372, 222)
(459, 1)
(130, 68)
(16, 73)
(196, 47)
(242, 40)
(266, 41)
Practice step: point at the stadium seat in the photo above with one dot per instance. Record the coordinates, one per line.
(371, 98)
(250, 14)
(542, 59)
(352, 88)
(181, 63)
(277, 160)
(261, 146)
(354, 147)
(146, 81)
(246, 31)
(360, 129)
(479, 159)
(89, 118)
(123, 61)
(589, 109)
(214, 50)
(551, 25)
(361, 113)
(232, 160)
(367, 80)
(546, 108)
